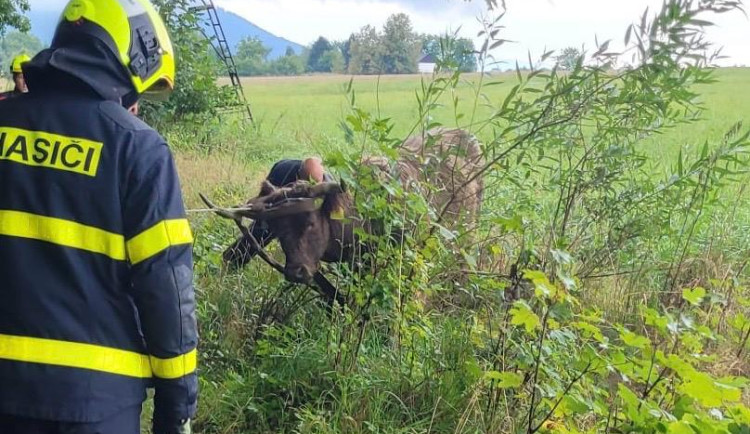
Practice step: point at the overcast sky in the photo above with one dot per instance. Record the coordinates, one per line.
(534, 24)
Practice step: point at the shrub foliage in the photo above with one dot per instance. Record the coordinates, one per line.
(578, 304)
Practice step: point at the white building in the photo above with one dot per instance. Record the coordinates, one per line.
(427, 64)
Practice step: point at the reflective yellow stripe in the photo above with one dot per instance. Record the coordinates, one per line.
(177, 367)
(95, 358)
(160, 237)
(63, 233)
(74, 355)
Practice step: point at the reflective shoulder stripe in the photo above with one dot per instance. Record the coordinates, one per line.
(160, 237)
(74, 355)
(63, 233)
(177, 367)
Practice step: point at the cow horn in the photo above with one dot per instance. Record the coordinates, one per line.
(266, 186)
(233, 214)
(325, 188)
(297, 199)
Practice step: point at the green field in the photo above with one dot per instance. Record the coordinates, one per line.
(301, 116)
(314, 106)
(273, 363)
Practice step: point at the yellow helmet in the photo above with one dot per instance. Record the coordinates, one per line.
(133, 31)
(18, 61)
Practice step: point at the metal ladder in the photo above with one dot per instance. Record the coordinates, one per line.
(221, 46)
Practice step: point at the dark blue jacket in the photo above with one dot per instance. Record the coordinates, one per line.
(96, 299)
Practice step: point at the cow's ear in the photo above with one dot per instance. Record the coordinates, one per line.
(335, 205)
(267, 188)
(344, 185)
(338, 213)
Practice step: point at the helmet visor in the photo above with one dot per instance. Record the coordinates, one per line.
(159, 91)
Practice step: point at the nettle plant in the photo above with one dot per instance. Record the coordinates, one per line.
(558, 367)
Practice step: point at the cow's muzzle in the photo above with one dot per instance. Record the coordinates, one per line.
(299, 273)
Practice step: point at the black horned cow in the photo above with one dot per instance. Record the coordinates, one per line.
(306, 219)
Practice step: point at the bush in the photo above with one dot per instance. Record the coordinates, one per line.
(197, 93)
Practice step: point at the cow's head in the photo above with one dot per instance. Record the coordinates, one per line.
(300, 217)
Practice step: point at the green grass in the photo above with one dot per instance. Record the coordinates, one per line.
(311, 108)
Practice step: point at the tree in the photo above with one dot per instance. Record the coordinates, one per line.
(317, 51)
(251, 57)
(451, 52)
(289, 51)
(15, 43)
(401, 46)
(345, 49)
(197, 92)
(366, 52)
(333, 61)
(569, 58)
(288, 65)
(12, 15)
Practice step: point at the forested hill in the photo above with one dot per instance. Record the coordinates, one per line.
(236, 28)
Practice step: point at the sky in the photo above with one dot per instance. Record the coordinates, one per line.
(533, 25)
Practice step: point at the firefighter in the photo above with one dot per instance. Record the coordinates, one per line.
(97, 300)
(16, 70)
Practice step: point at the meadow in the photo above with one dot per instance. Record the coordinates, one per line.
(314, 106)
(301, 116)
(274, 361)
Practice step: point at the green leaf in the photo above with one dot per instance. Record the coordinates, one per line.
(740, 414)
(473, 369)
(571, 405)
(513, 224)
(634, 340)
(562, 257)
(505, 380)
(471, 260)
(446, 233)
(522, 315)
(680, 427)
(590, 330)
(631, 403)
(568, 282)
(542, 285)
(707, 391)
(694, 296)
(654, 319)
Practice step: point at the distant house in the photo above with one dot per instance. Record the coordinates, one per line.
(427, 64)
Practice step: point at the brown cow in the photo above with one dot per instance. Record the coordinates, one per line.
(303, 216)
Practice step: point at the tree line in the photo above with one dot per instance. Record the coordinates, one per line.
(395, 49)
(14, 43)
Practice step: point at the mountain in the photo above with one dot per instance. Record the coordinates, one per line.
(235, 27)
